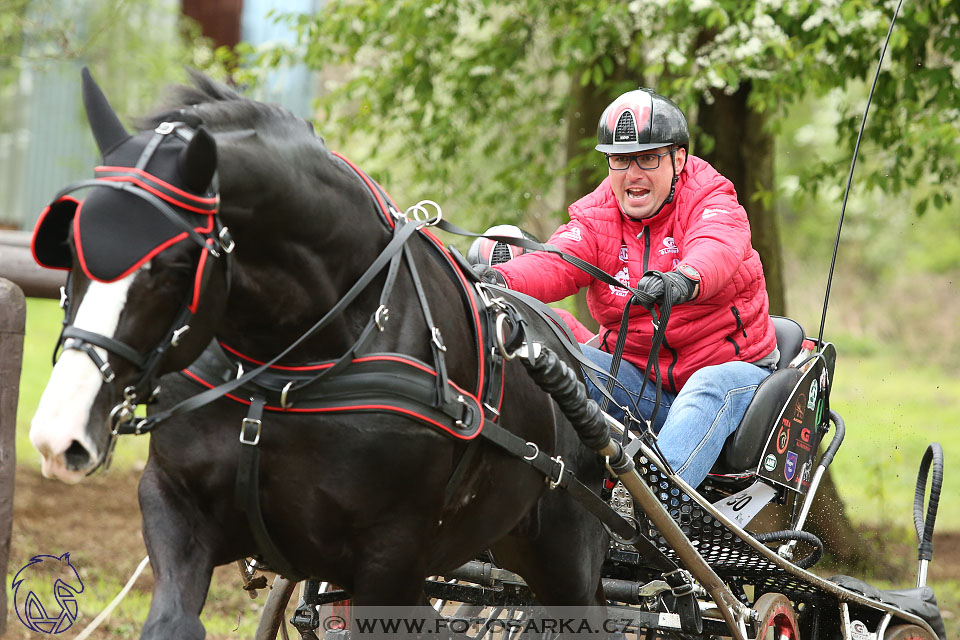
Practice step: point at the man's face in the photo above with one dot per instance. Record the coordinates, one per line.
(640, 192)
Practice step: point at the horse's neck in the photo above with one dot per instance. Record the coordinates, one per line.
(285, 283)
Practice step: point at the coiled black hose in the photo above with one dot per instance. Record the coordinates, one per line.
(558, 379)
(788, 535)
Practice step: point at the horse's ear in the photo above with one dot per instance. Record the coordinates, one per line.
(107, 129)
(198, 161)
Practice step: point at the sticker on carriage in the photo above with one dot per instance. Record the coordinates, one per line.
(770, 462)
(790, 468)
(783, 436)
(859, 631)
(814, 390)
(743, 506)
(799, 408)
(803, 442)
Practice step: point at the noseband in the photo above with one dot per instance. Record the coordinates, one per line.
(216, 243)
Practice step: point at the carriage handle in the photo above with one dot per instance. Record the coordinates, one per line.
(934, 455)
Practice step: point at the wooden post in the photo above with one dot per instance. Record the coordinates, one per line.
(13, 316)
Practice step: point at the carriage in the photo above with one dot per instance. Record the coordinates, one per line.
(406, 432)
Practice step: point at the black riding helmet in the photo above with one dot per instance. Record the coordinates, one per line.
(641, 120)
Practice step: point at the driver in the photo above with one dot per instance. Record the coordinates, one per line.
(668, 224)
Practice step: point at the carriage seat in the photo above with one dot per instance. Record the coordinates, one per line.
(742, 450)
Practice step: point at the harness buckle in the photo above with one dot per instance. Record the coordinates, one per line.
(247, 422)
(107, 373)
(165, 128)
(380, 316)
(437, 339)
(177, 334)
(467, 409)
(225, 239)
(553, 484)
(284, 402)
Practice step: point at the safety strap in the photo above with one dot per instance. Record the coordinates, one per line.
(247, 490)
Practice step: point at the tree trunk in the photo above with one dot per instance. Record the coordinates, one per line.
(744, 153)
(586, 105)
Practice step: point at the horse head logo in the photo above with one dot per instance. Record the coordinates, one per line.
(41, 583)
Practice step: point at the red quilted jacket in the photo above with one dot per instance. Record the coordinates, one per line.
(704, 227)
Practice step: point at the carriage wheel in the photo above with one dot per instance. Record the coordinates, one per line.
(777, 619)
(907, 632)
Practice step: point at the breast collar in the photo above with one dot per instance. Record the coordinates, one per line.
(377, 382)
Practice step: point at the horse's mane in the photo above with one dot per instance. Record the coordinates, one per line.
(220, 108)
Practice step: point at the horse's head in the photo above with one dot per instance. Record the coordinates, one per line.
(140, 246)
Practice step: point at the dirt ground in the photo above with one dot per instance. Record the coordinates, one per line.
(98, 522)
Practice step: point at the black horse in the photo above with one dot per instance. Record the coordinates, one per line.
(372, 498)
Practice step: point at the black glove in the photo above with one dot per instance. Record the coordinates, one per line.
(489, 275)
(658, 285)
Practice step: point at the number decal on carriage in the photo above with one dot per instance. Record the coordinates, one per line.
(743, 507)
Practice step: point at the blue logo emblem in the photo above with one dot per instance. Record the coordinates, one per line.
(45, 594)
(790, 467)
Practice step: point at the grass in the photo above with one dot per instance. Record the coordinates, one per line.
(892, 413)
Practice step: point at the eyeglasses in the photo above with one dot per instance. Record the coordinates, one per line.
(646, 161)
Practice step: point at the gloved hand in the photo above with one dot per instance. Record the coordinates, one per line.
(658, 285)
(489, 275)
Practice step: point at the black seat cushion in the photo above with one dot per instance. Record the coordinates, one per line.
(790, 337)
(742, 450)
(920, 602)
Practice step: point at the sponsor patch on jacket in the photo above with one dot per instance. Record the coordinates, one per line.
(623, 276)
(669, 246)
(709, 212)
(623, 253)
(572, 234)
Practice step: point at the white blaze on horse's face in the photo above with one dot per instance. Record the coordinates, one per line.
(64, 410)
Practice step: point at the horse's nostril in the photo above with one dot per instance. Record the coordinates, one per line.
(77, 456)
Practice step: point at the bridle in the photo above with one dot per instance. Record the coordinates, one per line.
(174, 205)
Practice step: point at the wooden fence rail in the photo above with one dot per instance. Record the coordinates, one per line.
(17, 265)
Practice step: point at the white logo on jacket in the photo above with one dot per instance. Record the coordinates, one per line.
(622, 276)
(572, 234)
(670, 246)
(709, 212)
(623, 253)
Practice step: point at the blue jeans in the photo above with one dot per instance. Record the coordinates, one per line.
(694, 423)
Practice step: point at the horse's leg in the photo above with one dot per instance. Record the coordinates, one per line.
(181, 559)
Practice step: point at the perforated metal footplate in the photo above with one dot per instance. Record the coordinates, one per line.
(726, 553)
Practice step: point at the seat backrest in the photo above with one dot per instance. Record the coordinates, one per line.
(790, 338)
(741, 451)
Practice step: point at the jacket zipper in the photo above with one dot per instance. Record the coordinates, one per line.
(645, 236)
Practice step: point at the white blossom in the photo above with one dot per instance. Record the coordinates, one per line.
(676, 58)
(696, 6)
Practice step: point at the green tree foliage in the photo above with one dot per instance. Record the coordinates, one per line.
(478, 90)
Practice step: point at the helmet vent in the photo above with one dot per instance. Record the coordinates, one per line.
(501, 253)
(626, 128)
